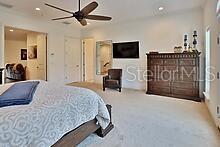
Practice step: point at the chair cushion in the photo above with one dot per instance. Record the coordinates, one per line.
(112, 82)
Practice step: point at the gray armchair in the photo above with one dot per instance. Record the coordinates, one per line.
(15, 72)
(113, 79)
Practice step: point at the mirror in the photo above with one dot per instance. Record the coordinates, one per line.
(103, 57)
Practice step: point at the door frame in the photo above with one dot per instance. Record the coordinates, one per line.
(83, 57)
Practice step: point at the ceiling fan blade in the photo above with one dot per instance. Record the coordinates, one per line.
(58, 8)
(89, 8)
(83, 22)
(63, 18)
(98, 17)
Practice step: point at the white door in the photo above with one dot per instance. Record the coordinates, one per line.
(37, 66)
(88, 60)
(72, 60)
(41, 60)
(31, 63)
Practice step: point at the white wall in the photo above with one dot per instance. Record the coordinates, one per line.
(56, 33)
(13, 51)
(160, 33)
(210, 20)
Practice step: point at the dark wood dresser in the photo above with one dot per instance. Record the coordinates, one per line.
(174, 74)
(1, 72)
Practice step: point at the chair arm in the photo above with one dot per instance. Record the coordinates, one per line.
(104, 82)
(105, 78)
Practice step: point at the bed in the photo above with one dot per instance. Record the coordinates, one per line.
(57, 116)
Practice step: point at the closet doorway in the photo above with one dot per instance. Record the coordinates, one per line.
(88, 61)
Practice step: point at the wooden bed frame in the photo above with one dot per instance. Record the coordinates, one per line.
(76, 136)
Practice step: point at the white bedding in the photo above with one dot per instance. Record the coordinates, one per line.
(3, 88)
(53, 112)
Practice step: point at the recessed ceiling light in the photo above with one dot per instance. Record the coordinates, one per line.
(161, 8)
(11, 30)
(38, 9)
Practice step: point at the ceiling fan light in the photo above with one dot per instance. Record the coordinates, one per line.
(161, 8)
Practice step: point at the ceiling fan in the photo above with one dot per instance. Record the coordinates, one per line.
(82, 14)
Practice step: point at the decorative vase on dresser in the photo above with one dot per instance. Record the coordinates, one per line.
(174, 75)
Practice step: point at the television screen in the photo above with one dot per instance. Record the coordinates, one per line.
(126, 50)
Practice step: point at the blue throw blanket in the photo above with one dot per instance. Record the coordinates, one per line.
(19, 94)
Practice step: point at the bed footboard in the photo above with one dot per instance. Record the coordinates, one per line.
(103, 132)
(75, 137)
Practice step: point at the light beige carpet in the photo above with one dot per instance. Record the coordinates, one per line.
(154, 121)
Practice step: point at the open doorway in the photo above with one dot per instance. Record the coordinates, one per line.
(25, 55)
(88, 59)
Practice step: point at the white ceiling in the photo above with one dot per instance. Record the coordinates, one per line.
(119, 10)
(17, 34)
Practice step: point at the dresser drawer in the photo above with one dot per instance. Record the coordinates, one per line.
(158, 83)
(156, 68)
(166, 76)
(160, 90)
(170, 62)
(152, 76)
(162, 76)
(185, 77)
(156, 62)
(187, 70)
(184, 92)
(184, 85)
(171, 68)
(187, 62)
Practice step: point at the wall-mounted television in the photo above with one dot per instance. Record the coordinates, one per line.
(126, 50)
